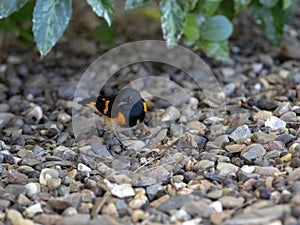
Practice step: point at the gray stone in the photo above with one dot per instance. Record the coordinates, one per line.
(77, 219)
(253, 151)
(225, 169)
(241, 132)
(155, 190)
(100, 149)
(5, 118)
(263, 138)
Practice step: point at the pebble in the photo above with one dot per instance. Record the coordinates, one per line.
(252, 152)
(122, 190)
(285, 138)
(47, 174)
(263, 138)
(262, 115)
(5, 118)
(241, 132)
(83, 168)
(35, 114)
(275, 123)
(76, 219)
(32, 188)
(230, 202)
(155, 191)
(33, 210)
(225, 169)
(139, 199)
(267, 171)
(100, 149)
(14, 177)
(171, 114)
(217, 206)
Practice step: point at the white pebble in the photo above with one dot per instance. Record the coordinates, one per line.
(275, 123)
(83, 168)
(217, 205)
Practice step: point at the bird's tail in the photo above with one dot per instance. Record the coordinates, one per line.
(90, 102)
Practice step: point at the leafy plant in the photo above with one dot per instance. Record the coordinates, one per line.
(204, 24)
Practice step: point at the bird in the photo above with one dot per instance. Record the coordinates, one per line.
(125, 108)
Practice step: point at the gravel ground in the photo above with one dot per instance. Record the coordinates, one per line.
(189, 163)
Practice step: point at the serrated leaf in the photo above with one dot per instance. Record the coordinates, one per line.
(268, 3)
(216, 50)
(239, 5)
(103, 8)
(191, 28)
(7, 7)
(173, 19)
(50, 19)
(216, 28)
(211, 6)
(130, 4)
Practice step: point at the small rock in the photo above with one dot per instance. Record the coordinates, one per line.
(262, 115)
(33, 210)
(248, 169)
(216, 194)
(139, 199)
(225, 169)
(230, 202)
(63, 117)
(15, 177)
(136, 145)
(47, 174)
(36, 114)
(282, 109)
(100, 149)
(83, 168)
(267, 171)
(155, 191)
(241, 132)
(285, 138)
(120, 190)
(275, 123)
(32, 189)
(263, 138)
(252, 152)
(53, 183)
(77, 219)
(217, 205)
(5, 118)
(171, 114)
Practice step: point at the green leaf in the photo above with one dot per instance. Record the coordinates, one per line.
(216, 28)
(105, 34)
(271, 22)
(211, 7)
(50, 19)
(217, 50)
(287, 4)
(173, 19)
(7, 7)
(10, 27)
(191, 29)
(103, 8)
(227, 9)
(239, 5)
(268, 3)
(130, 4)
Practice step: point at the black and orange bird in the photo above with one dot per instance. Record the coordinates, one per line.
(125, 108)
